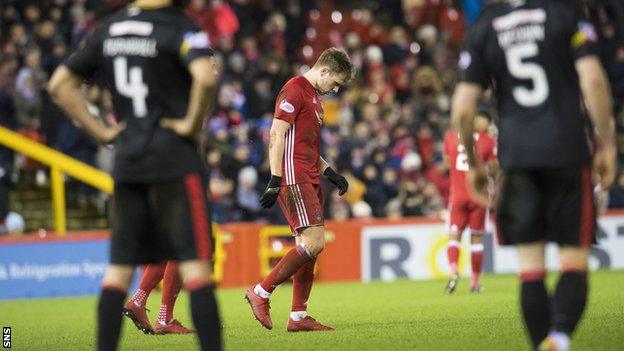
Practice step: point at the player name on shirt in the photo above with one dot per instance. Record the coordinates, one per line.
(520, 26)
(130, 47)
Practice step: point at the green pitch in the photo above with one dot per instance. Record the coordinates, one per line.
(404, 315)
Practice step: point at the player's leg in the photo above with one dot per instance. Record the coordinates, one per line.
(520, 221)
(533, 295)
(574, 224)
(172, 284)
(115, 285)
(477, 231)
(183, 210)
(313, 240)
(302, 286)
(197, 280)
(476, 260)
(135, 307)
(129, 219)
(458, 221)
(301, 207)
(151, 276)
(570, 297)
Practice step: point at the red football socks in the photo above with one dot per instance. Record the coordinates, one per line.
(302, 286)
(476, 258)
(152, 275)
(453, 255)
(171, 288)
(286, 267)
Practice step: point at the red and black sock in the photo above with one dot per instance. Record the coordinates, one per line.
(205, 315)
(570, 300)
(302, 286)
(535, 305)
(286, 267)
(109, 311)
(171, 288)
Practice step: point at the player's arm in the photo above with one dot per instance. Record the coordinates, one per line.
(597, 94)
(64, 88)
(493, 168)
(465, 100)
(277, 137)
(338, 180)
(463, 113)
(205, 75)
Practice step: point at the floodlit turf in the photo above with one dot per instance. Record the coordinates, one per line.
(404, 315)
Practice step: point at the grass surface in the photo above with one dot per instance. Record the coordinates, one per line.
(404, 315)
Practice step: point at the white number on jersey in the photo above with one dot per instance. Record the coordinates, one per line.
(129, 83)
(527, 70)
(461, 162)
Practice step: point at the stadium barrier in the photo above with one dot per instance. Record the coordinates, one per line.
(54, 266)
(356, 250)
(59, 164)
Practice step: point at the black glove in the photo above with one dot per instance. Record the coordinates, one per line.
(272, 192)
(339, 181)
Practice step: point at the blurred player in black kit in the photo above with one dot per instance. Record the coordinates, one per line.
(162, 75)
(539, 56)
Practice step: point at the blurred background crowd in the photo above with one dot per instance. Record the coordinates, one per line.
(384, 133)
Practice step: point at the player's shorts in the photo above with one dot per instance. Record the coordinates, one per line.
(302, 205)
(466, 214)
(548, 204)
(154, 222)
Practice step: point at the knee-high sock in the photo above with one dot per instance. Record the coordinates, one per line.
(171, 288)
(205, 315)
(570, 300)
(452, 253)
(535, 305)
(302, 286)
(286, 267)
(151, 276)
(476, 260)
(109, 317)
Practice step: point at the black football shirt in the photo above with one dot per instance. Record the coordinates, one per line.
(142, 56)
(526, 51)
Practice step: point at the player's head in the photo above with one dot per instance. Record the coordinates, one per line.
(334, 69)
(482, 121)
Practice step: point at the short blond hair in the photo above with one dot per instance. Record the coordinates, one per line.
(338, 61)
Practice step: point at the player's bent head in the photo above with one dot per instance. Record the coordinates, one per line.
(335, 70)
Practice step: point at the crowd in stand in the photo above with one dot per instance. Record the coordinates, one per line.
(384, 132)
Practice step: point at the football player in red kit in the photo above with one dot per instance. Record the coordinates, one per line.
(296, 166)
(464, 212)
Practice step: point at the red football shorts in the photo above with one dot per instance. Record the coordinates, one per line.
(302, 205)
(467, 214)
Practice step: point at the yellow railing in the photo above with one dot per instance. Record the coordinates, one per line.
(59, 164)
(219, 254)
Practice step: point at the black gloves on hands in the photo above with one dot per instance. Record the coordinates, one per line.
(339, 181)
(271, 193)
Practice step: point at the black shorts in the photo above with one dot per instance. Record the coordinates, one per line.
(155, 222)
(548, 204)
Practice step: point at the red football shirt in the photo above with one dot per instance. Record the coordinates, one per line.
(458, 161)
(299, 104)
